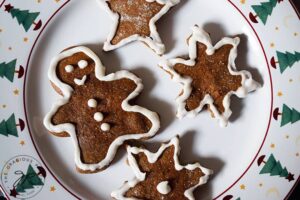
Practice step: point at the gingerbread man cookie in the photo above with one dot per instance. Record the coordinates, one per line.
(95, 109)
(160, 175)
(209, 77)
(135, 20)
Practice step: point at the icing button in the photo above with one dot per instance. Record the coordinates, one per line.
(92, 103)
(98, 116)
(105, 127)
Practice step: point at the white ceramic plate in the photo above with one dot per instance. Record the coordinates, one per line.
(237, 153)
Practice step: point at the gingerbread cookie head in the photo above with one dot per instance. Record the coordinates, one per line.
(95, 109)
(160, 175)
(135, 20)
(209, 77)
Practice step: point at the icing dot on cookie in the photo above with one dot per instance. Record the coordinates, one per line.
(98, 116)
(92, 103)
(82, 64)
(69, 68)
(163, 187)
(105, 127)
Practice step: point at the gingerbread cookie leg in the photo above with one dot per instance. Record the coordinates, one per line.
(209, 77)
(135, 21)
(160, 175)
(95, 109)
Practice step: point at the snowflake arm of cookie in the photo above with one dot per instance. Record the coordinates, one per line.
(96, 126)
(130, 26)
(160, 175)
(225, 80)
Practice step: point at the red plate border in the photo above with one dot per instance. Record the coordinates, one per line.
(272, 100)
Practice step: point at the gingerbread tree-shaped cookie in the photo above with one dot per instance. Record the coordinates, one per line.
(160, 176)
(95, 109)
(135, 20)
(209, 77)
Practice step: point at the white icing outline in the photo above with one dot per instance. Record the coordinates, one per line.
(67, 92)
(248, 84)
(152, 158)
(155, 43)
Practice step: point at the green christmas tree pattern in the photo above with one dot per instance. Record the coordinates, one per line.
(288, 115)
(285, 60)
(28, 180)
(274, 168)
(263, 11)
(8, 70)
(24, 17)
(9, 126)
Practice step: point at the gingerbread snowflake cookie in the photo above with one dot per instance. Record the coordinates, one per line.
(160, 176)
(95, 109)
(135, 20)
(209, 77)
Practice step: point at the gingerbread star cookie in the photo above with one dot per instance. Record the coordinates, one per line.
(135, 20)
(209, 77)
(95, 109)
(160, 175)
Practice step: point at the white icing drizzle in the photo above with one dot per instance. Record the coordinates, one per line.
(69, 68)
(152, 158)
(92, 103)
(82, 64)
(163, 187)
(80, 81)
(105, 127)
(98, 116)
(154, 41)
(248, 84)
(67, 92)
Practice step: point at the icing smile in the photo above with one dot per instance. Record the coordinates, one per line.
(80, 81)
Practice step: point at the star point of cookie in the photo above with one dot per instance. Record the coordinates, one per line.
(160, 175)
(95, 109)
(134, 20)
(209, 77)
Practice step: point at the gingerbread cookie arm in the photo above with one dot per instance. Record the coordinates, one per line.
(153, 40)
(67, 92)
(152, 158)
(247, 83)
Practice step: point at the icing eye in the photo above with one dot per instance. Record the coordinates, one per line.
(105, 127)
(69, 68)
(92, 103)
(98, 116)
(82, 64)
